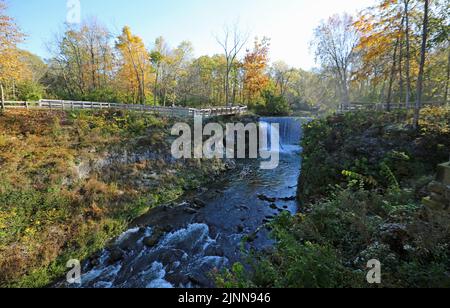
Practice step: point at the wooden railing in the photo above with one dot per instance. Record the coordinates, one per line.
(166, 111)
(354, 107)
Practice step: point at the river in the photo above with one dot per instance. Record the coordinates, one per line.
(193, 241)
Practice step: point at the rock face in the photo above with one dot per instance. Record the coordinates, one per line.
(439, 198)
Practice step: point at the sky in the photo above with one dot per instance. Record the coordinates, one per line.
(289, 23)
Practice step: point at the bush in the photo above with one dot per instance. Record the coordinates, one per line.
(30, 91)
(273, 105)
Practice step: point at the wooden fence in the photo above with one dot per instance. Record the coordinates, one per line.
(166, 111)
(354, 107)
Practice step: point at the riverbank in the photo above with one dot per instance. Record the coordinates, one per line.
(362, 183)
(72, 181)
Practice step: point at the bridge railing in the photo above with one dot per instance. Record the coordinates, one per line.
(166, 111)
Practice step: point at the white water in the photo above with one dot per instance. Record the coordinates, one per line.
(290, 133)
(185, 250)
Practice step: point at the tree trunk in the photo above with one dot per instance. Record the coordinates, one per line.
(400, 66)
(2, 97)
(408, 56)
(155, 94)
(14, 90)
(391, 80)
(422, 66)
(345, 99)
(227, 86)
(448, 79)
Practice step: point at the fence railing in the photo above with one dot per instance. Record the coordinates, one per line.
(166, 111)
(354, 107)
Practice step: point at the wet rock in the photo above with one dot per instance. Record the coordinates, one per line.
(154, 239)
(95, 259)
(214, 251)
(273, 206)
(167, 228)
(116, 255)
(169, 257)
(293, 198)
(94, 262)
(394, 235)
(240, 228)
(190, 210)
(252, 237)
(243, 207)
(266, 198)
(195, 280)
(177, 279)
(199, 203)
(230, 165)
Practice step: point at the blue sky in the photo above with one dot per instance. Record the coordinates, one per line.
(289, 23)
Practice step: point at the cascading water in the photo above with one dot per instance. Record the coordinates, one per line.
(290, 131)
(201, 240)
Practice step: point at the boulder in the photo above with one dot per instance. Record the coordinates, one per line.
(444, 173)
(394, 235)
(116, 255)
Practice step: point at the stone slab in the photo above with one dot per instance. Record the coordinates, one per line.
(444, 173)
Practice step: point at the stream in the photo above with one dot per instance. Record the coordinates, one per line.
(179, 247)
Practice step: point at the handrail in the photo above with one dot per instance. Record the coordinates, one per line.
(168, 111)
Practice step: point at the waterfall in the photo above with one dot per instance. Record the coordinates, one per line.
(290, 131)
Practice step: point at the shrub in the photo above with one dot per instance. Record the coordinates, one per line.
(273, 105)
(30, 91)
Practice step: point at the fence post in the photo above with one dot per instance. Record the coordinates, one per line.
(26, 105)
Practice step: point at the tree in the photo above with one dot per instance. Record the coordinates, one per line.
(156, 58)
(282, 75)
(335, 44)
(232, 43)
(135, 64)
(423, 52)
(83, 65)
(274, 105)
(12, 69)
(255, 66)
(408, 53)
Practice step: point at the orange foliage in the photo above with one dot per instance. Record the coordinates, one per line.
(255, 65)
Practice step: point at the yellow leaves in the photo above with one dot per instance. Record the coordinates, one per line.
(136, 68)
(11, 66)
(5, 217)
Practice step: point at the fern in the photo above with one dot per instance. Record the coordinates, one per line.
(390, 176)
(356, 178)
